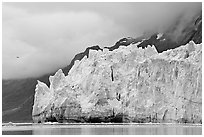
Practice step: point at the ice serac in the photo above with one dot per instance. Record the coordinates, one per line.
(128, 84)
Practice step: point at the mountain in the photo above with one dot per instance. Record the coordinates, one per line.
(18, 95)
(165, 41)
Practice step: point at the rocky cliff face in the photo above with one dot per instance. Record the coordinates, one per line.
(128, 84)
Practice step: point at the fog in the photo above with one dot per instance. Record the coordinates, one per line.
(39, 38)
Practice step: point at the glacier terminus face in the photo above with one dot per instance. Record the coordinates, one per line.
(128, 84)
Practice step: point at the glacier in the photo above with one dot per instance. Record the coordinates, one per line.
(128, 84)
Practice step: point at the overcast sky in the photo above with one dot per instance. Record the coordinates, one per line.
(39, 38)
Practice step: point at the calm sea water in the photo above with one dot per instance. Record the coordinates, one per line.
(102, 129)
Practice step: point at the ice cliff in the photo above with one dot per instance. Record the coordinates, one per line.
(128, 84)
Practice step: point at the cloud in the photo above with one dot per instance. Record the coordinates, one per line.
(46, 42)
(46, 36)
(154, 16)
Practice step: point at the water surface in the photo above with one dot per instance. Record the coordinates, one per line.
(102, 129)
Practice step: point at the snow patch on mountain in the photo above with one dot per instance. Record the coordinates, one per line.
(159, 35)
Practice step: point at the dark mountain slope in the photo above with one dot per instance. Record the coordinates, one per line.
(172, 38)
(18, 95)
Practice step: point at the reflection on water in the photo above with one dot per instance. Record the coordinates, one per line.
(110, 130)
(122, 131)
(26, 132)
